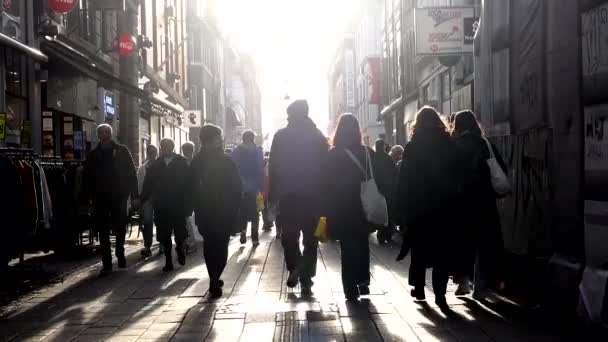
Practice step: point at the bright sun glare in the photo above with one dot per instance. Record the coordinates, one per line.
(292, 42)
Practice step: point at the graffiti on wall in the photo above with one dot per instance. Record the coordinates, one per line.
(595, 40)
(526, 215)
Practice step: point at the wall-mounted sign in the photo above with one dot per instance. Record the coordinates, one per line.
(445, 31)
(2, 126)
(193, 118)
(349, 69)
(108, 104)
(62, 6)
(126, 45)
(373, 76)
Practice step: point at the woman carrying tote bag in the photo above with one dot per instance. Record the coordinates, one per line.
(345, 183)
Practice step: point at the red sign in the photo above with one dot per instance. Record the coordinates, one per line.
(127, 45)
(62, 6)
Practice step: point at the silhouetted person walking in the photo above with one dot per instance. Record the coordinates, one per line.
(346, 219)
(166, 185)
(480, 235)
(110, 178)
(147, 208)
(297, 154)
(386, 179)
(249, 160)
(216, 187)
(428, 184)
(188, 153)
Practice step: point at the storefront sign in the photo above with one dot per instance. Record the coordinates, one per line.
(62, 6)
(193, 118)
(126, 45)
(349, 68)
(445, 31)
(373, 77)
(2, 126)
(109, 108)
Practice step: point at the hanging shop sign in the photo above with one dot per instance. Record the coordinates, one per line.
(62, 6)
(2, 126)
(373, 76)
(445, 31)
(126, 45)
(193, 118)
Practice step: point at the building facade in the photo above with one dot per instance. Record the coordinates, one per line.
(368, 50)
(342, 83)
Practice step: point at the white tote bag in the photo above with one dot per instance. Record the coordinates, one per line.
(500, 181)
(374, 204)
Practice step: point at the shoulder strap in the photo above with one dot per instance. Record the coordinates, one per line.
(352, 156)
(490, 148)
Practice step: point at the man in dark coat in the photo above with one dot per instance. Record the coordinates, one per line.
(386, 178)
(165, 185)
(216, 187)
(110, 178)
(297, 154)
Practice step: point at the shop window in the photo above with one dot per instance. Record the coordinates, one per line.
(12, 18)
(16, 94)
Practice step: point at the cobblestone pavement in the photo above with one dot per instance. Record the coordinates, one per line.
(143, 304)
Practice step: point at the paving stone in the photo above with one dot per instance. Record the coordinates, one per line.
(99, 331)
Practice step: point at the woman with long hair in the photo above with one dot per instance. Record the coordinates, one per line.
(481, 235)
(427, 194)
(345, 169)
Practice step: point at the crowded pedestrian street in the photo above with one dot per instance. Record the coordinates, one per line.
(143, 304)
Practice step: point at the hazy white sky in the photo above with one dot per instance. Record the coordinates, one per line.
(292, 42)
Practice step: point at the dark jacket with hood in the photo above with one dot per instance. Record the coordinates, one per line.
(296, 159)
(167, 187)
(110, 173)
(216, 191)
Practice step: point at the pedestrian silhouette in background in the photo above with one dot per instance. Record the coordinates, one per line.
(266, 214)
(386, 179)
(397, 155)
(347, 165)
(428, 195)
(188, 152)
(216, 189)
(249, 160)
(166, 186)
(110, 178)
(147, 209)
(297, 154)
(480, 235)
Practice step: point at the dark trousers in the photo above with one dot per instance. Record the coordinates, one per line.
(298, 214)
(215, 251)
(168, 224)
(354, 252)
(249, 213)
(111, 215)
(147, 220)
(441, 275)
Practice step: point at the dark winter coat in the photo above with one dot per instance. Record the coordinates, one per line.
(166, 186)
(296, 159)
(477, 219)
(110, 174)
(216, 190)
(386, 174)
(427, 195)
(249, 159)
(342, 193)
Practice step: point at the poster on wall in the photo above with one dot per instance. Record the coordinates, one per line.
(2, 126)
(445, 30)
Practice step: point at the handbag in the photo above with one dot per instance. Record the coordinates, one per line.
(374, 204)
(500, 181)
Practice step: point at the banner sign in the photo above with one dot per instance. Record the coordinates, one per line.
(445, 30)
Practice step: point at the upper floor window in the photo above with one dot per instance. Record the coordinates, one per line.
(12, 18)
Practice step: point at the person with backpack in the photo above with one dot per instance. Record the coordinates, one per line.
(216, 196)
(348, 164)
(480, 235)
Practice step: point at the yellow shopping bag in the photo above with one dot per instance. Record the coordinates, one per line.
(259, 200)
(321, 232)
